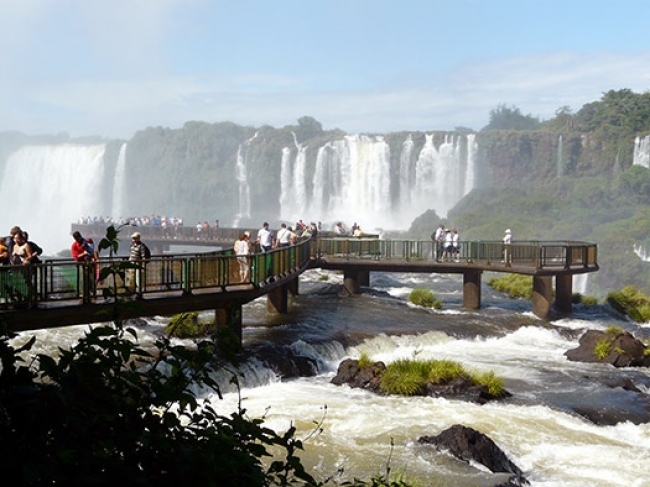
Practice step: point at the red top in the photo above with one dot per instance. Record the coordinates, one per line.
(77, 251)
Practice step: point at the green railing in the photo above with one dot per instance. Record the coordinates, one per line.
(547, 254)
(58, 280)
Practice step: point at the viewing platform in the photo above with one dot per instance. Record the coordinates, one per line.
(60, 292)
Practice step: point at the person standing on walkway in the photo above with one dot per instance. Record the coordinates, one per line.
(137, 258)
(242, 250)
(507, 252)
(265, 238)
(455, 242)
(437, 237)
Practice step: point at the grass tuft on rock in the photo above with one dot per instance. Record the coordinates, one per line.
(187, 325)
(514, 285)
(632, 302)
(424, 297)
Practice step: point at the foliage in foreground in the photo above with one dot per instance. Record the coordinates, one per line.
(410, 377)
(632, 302)
(424, 297)
(188, 325)
(515, 285)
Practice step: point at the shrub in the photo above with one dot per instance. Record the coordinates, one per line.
(631, 302)
(577, 298)
(365, 361)
(603, 348)
(424, 297)
(187, 325)
(514, 285)
(411, 377)
(614, 330)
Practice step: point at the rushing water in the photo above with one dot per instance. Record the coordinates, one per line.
(538, 427)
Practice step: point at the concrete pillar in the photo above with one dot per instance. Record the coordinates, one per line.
(472, 289)
(229, 329)
(542, 296)
(563, 292)
(364, 278)
(277, 299)
(351, 282)
(293, 286)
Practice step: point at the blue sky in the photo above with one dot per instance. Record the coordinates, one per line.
(110, 68)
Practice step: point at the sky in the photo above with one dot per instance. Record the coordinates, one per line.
(111, 68)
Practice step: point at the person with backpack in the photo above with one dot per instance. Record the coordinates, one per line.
(139, 254)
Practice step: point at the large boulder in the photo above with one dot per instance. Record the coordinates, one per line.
(351, 374)
(470, 445)
(623, 350)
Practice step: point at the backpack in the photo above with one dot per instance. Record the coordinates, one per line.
(147, 252)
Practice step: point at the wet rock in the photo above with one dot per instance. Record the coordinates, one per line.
(351, 374)
(624, 349)
(470, 445)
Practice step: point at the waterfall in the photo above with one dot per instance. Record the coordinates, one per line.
(580, 283)
(642, 252)
(642, 151)
(244, 190)
(51, 187)
(406, 173)
(351, 180)
(119, 185)
(560, 168)
(470, 170)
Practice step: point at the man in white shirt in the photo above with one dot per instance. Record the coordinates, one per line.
(283, 236)
(265, 238)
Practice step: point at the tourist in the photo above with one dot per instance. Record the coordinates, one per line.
(438, 236)
(137, 258)
(21, 253)
(265, 238)
(283, 236)
(242, 251)
(455, 242)
(80, 250)
(507, 241)
(447, 246)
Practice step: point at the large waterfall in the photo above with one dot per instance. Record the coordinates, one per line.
(46, 188)
(242, 182)
(353, 180)
(642, 151)
(119, 198)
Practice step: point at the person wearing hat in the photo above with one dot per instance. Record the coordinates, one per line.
(507, 240)
(137, 257)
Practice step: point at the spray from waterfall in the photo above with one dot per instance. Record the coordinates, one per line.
(119, 185)
(244, 190)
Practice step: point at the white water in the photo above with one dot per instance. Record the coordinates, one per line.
(553, 448)
(352, 181)
(50, 187)
(119, 184)
(642, 252)
(642, 151)
(244, 191)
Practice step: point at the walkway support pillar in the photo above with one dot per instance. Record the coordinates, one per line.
(542, 296)
(277, 299)
(293, 286)
(229, 329)
(364, 278)
(563, 292)
(472, 289)
(351, 282)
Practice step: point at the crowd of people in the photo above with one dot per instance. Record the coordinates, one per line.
(17, 249)
(447, 244)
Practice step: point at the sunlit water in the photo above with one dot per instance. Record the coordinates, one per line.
(538, 427)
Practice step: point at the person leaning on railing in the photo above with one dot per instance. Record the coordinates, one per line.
(507, 253)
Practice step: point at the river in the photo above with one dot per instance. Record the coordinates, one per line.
(543, 427)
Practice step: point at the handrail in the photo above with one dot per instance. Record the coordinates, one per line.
(58, 280)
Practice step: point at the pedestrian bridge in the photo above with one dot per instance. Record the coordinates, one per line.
(61, 292)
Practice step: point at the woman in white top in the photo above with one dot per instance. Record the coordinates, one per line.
(242, 250)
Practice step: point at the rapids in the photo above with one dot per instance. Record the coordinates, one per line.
(543, 427)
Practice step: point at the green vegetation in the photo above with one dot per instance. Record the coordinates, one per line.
(603, 348)
(424, 297)
(614, 330)
(632, 302)
(365, 361)
(188, 325)
(577, 298)
(515, 285)
(107, 412)
(410, 377)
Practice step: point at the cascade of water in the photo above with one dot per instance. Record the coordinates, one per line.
(642, 252)
(438, 184)
(642, 151)
(286, 179)
(559, 168)
(406, 172)
(119, 185)
(244, 194)
(51, 187)
(580, 283)
(470, 171)
(299, 192)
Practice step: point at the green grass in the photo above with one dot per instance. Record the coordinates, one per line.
(514, 285)
(365, 361)
(632, 302)
(186, 325)
(410, 377)
(424, 297)
(603, 348)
